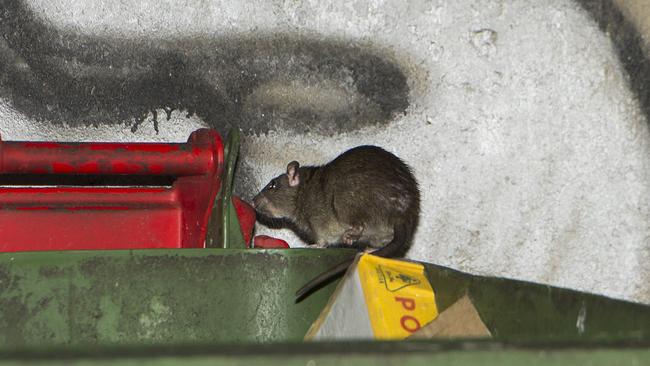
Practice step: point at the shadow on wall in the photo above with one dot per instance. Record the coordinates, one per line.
(257, 83)
(628, 44)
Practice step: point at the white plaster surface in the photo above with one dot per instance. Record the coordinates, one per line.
(531, 151)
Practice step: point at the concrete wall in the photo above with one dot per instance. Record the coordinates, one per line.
(525, 121)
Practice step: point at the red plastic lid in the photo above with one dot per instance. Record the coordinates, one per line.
(267, 242)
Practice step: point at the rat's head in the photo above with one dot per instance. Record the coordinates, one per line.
(278, 199)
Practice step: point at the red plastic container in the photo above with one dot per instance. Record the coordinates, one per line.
(171, 212)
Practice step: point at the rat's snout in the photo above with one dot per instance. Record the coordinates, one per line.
(258, 202)
(263, 206)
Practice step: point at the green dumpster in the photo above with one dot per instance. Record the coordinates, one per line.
(214, 305)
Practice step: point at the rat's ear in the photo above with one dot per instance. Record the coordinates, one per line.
(292, 173)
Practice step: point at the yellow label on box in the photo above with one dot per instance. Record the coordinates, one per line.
(398, 295)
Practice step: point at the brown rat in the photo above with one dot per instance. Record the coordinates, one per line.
(366, 197)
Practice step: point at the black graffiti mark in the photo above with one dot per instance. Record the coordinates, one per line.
(257, 82)
(628, 44)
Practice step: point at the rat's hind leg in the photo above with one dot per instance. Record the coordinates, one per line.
(352, 234)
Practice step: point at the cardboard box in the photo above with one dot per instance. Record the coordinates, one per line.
(381, 298)
(378, 298)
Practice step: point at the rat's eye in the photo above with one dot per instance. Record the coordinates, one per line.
(272, 184)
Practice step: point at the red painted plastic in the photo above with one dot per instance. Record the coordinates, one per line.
(246, 217)
(90, 217)
(268, 242)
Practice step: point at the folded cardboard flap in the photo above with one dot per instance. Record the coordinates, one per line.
(460, 320)
(345, 315)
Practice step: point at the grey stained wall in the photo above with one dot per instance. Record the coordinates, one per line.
(525, 121)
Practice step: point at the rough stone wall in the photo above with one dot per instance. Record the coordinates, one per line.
(525, 121)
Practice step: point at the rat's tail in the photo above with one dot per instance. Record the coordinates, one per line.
(402, 236)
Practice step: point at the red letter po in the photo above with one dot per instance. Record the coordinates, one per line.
(409, 323)
(408, 304)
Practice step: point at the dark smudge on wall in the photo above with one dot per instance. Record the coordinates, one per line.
(259, 82)
(628, 43)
